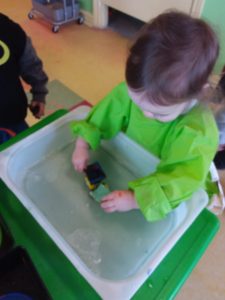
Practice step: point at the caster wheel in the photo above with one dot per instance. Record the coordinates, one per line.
(55, 28)
(30, 16)
(80, 20)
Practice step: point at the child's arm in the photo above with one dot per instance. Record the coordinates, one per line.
(220, 120)
(31, 70)
(186, 155)
(106, 119)
(119, 201)
(80, 155)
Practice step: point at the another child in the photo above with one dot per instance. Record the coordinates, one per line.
(18, 59)
(220, 120)
(166, 70)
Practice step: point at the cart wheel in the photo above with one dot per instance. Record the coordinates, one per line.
(80, 20)
(55, 28)
(30, 16)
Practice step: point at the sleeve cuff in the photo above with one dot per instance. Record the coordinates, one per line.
(39, 98)
(88, 132)
(150, 197)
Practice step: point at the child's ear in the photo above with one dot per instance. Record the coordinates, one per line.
(206, 93)
(206, 89)
(206, 86)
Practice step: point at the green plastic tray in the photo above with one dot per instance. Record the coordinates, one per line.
(62, 279)
(0, 236)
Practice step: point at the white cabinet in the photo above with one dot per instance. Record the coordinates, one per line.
(143, 10)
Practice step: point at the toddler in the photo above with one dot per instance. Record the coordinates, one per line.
(159, 107)
(220, 119)
(18, 59)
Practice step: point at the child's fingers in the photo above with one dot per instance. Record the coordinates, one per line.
(110, 196)
(106, 204)
(79, 165)
(78, 168)
(84, 164)
(110, 209)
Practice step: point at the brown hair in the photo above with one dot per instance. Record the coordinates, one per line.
(172, 58)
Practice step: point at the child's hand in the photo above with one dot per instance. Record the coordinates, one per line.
(80, 155)
(37, 108)
(119, 201)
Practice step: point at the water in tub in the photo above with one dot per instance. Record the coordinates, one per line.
(112, 246)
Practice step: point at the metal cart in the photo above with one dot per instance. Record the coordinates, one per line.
(57, 12)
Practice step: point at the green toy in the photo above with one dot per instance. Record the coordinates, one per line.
(101, 191)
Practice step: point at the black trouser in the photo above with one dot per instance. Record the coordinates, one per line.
(8, 131)
(219, 159)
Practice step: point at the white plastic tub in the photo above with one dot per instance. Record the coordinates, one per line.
(114, 252)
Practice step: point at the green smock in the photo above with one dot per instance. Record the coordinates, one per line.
(185, 146)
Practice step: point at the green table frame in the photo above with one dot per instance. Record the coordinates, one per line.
(59, 275)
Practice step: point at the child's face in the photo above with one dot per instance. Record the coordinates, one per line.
(155, 111)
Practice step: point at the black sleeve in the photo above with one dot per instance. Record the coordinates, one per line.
(31, 70)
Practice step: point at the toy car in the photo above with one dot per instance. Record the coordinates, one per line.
(95, 181)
